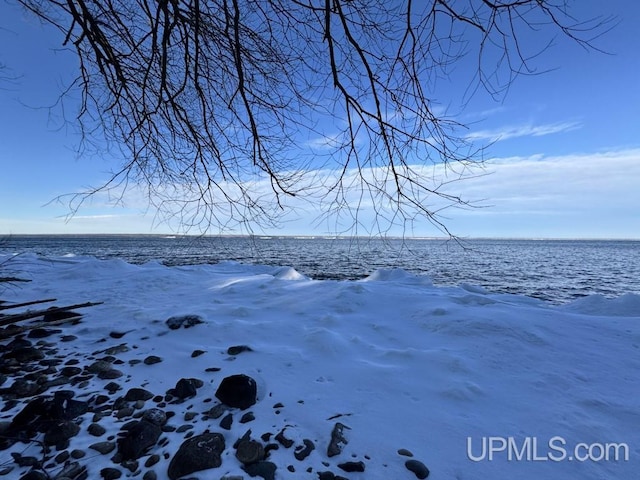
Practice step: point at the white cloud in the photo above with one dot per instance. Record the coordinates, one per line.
(516, 131)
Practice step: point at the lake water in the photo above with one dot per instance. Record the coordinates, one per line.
(554, 270)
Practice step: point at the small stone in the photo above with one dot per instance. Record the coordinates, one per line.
(110, 473)
(149, 475)
(352, 466)
(34, 475)
(197, 353)
(190, 416)
(418, 468)
(247, 417)
(266, 470)
(103, 447)
(124, 412)
(238, 349)
(185, 388)
(226, 422)
(282, 440)
(303, 451)
(155, 416)
(249, 451)
(70, 371)
(112, 387)
(212, 369)
(185, 321)
(184, 428)
(99, 366)
(152, 460)
(338, 440)
(62, 457)
(77, 454)
(122, 348)
(217, 411)
(110, 374)
(152, 359)
(405, 453)
(135, 394)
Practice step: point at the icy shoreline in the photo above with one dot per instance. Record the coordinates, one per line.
(401, 363)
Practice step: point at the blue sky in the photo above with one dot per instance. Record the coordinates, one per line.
(564, 163)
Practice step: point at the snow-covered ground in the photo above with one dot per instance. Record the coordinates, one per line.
(441, 371)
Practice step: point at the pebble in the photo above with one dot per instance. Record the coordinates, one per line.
(103, 447)
(418, 468)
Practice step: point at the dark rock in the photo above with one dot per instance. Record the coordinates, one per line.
(197, 353)
(73, 470)
(185, 388)
(352, 466)
(42, 332)
(74, 408)
(135, 394)
(217, 411)
(249, 451)
(77, 454)
(237, 391)
(70, 371)
(303, 451)
(266, 470)
(184, 428)
(99, 366)
(112, 387)
(25, 354)
(122, 348)
(117, 335)
(212, 369)
(25, 461)
(110, 473)
(152, 460)
(418, 468)
(103, 447)
(338, 440)
(155, 416)
(185, 321)
(329, 476)
(34, 475)
(140, 437)
(282, 440)
(60, 432)
(110, 374)
(227, 421)
(22, 388)
(247, 417)
(55, 316)
(152, 359)
(238, 349)
(200, 452)
(62, 457)
(68, 338)
(190, 416)
(149, 475)
(96, 430)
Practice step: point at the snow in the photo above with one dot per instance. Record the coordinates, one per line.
(401, 362)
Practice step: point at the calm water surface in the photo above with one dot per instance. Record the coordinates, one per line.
(554, 270)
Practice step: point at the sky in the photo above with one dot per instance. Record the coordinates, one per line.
(563, 160)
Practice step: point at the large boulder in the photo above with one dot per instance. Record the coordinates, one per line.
(200, 452)
(238, 391)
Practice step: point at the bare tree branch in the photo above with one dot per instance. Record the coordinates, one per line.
(205, 98)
